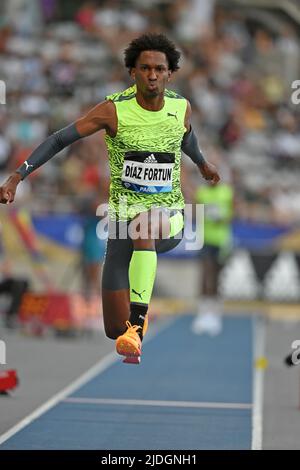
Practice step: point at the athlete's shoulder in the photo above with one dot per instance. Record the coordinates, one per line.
(173, 94)
(124, 95)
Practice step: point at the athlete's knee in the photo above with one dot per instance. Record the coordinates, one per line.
(147, 227)
(144, 244)
(140, 227)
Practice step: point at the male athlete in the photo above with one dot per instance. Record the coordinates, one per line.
(146, 128)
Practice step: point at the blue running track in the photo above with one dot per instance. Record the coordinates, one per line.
(190, 392)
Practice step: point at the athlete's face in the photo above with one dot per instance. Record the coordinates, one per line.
(151, 73)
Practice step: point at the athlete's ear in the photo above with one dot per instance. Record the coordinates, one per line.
(132, 73)
(169, 75)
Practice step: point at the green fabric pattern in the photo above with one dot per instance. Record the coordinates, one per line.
(147, 131)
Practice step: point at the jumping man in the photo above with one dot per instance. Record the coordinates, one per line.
(146, 127)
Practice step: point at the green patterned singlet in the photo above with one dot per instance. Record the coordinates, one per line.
(144, 156)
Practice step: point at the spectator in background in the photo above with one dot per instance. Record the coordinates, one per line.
(5, 149)
(92, 249)
(237, 76)
(218, 213)
(13, 288)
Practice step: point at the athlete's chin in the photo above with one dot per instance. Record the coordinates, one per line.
(152, 92)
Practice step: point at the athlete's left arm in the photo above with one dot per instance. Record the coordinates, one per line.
(191, 148)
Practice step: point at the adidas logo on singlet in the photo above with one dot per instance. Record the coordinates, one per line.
(150, 159)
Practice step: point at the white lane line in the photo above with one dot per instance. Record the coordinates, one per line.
(90, 374)
(160, 403)
(98, 368)
(258, 384)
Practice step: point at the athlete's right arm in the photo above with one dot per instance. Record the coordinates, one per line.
(102, 116)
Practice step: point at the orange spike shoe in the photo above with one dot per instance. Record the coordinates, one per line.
(129, 344)
(137, 359)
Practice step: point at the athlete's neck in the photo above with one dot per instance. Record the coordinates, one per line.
(150, 103)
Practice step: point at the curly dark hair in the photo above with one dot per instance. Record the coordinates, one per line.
(152, 42)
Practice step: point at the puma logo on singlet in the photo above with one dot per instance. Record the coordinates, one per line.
(173, 115)
(138, 293)
(27, 165)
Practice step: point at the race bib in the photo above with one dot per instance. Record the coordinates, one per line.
(148, 172)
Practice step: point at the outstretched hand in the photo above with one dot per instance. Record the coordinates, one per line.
(209, 173)
(8, 189)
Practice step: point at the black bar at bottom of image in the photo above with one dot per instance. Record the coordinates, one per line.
(132, 458)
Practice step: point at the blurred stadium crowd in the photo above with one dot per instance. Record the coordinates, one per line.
(59, 59)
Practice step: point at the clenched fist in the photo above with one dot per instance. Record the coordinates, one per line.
(209, 173)
(8, 189)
